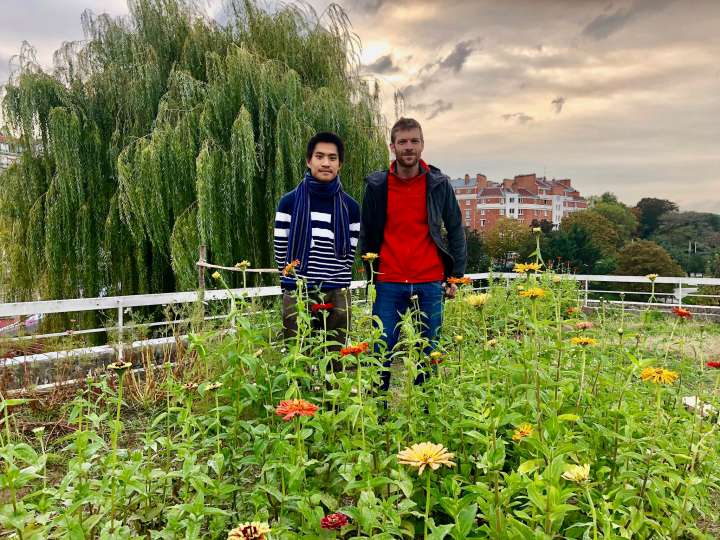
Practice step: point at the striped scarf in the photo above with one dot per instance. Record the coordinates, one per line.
(300, 236)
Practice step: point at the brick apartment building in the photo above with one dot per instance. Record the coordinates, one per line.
(526, 197)
(9, 152)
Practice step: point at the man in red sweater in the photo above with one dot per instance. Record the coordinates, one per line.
(404, 210)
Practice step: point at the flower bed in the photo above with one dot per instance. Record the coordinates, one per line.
(541, 421)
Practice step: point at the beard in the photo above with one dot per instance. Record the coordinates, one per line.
(408, 160)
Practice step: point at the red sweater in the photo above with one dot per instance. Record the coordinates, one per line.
(408, 254)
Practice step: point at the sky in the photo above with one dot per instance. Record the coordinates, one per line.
(617, 95)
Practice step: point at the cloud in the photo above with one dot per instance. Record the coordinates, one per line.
(433, 72)
(558, 103)
(520, 118)
(383, 64)
(431, 110)
(368, 6)
(607, 24)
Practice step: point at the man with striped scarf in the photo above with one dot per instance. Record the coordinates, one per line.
(316, 233)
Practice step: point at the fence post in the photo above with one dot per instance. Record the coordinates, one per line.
(585, 302)
(201, 269)
(680, 296)
(121, 353)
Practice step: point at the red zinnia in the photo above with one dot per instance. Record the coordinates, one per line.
(322, 307)
(295, 407)
(682, 313)
(714, 365)
(355, 349)
(334, 522)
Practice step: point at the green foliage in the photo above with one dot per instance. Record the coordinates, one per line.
(620, 216)
(165, 115)
(574, 250)
(508, 236)
(690, 237)
(605, 233)
(650, 210)
(644, 257)
(198, 460)
(477, 258)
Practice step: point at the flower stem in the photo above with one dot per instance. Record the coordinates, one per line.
(427, 503)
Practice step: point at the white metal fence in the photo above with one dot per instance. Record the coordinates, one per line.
(591, 289)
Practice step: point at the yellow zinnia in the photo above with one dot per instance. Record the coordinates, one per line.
(426, 454)
(658, 375)
(369, 256)
(477, 300)
(652, 277)
(216, 275)
(583, 341)
(577, 473)
(524, 430)
(533, 293)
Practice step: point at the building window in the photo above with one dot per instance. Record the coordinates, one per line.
(482, 222)
(467, 215)
(482, 212)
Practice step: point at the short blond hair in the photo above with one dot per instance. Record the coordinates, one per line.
(404, 124)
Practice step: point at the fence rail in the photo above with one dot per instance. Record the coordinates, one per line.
(684, 288)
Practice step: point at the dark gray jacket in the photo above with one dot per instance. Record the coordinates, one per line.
(443, 211)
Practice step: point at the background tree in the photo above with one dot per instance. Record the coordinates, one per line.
(163, 130)
(650, 210)
(508, 236)
(644, 257)
(545, 225)
(603, 232)
(622, 218)
(574, 250)
(477, 257)
(690, 237)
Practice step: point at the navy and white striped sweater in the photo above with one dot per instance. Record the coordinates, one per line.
(324, 269)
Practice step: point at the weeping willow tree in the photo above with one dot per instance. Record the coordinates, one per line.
(165, 130)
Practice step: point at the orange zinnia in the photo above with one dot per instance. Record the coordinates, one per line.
(682, 313)
(459, 280)
(355, 349)
(290, 267)
(295, 407)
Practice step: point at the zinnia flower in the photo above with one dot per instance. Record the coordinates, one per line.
(119, 366)
(577, 473)
(355, 349)
(584, 325)
(436, 357)
(295, 407)
(713, 364)
(537, 230)
(522, 268)
(533, 293)
(556, 279)
(213, 386)
(523, 430)
(652, 277)
(491, 342)
(682, 313)
(583, 341)
(477, 300)
(459, 280)
(290, 267)
(572, 310)
(322, 307)
(334, 522)
(426, 454)
(369, 256)
(458, 339)
(249, 531)
(216, 275)
(659, 375)
(189, 387)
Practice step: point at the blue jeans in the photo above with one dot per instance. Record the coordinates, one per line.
(393, 299)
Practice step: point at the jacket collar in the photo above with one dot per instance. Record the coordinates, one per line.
(435, 177)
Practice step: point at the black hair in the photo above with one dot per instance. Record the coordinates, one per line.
(326, 137)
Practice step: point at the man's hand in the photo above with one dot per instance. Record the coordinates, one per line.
(450, 290)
